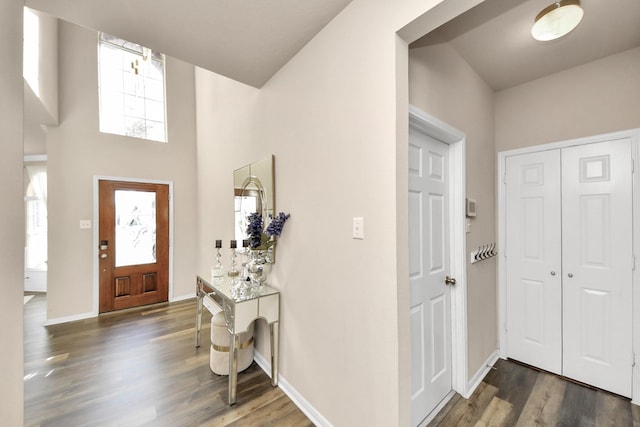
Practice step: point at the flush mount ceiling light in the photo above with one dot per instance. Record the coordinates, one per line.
(556, 20)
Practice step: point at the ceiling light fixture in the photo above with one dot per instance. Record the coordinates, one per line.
(556, 20)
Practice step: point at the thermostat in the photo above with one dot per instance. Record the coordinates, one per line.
(471, 207)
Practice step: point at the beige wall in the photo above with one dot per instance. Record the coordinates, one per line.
(77, 152)
(442, 84)
(598, 97)
(11, 219)
(329, 117)
(48, 63)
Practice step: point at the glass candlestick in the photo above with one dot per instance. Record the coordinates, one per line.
(217, 271)
(245, 258)
(233, 271)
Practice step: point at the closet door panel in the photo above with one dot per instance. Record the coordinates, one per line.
(597, 264)
(534, 259)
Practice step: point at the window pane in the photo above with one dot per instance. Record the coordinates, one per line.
(154, 110)
(154, 89)
(135, 127)
(135, 227)
(156, 131)
(131, 90)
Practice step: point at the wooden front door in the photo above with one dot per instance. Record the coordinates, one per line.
(133, 244)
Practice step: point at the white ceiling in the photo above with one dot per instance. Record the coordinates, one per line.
(246, 40)
(495, 39)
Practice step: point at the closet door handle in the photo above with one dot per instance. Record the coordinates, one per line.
(553, 273)
(570, 274)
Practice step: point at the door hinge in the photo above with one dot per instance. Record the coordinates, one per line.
(633, 166)
(633, 262)
(633, 359)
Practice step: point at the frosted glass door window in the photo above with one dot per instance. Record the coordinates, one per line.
(135, 230)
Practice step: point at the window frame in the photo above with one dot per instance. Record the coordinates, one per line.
(104, 115)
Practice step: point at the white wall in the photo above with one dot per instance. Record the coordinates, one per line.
(598, 97)
(442, 84)
(11, 219)
(335, 117)
(77, 152)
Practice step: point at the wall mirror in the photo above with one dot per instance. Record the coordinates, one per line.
(253, 190)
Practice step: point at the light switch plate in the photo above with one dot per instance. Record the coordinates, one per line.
(85, 224)
(358, 228)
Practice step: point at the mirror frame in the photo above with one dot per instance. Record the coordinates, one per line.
(257, 178)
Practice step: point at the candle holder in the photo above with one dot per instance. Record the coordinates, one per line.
(233, 271)
(217, 271)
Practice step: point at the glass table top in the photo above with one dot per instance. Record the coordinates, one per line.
(232, 288)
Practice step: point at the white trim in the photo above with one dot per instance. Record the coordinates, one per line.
(436, 128)
(635, 154)
(482, 372)
(312, 413)
(72, 318)
(437, 409)
(182, 298)
(35, 158)
(96, 219)
(634, 135)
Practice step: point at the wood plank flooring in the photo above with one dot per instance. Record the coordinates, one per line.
(517, 395)
(138, 367)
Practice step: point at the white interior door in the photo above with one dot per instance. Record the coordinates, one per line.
(534, 275)
(428, 264)
(569, 262)
(597, 258)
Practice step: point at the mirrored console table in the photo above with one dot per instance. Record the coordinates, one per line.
(241, 307)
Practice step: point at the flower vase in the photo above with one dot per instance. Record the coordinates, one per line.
(258, 267)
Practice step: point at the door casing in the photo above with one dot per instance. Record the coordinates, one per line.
(96, 218)
(634, 135)
(435, 128)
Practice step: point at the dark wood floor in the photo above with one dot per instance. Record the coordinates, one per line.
(138, 368)
(516, 395)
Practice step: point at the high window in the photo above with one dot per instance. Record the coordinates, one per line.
(132, 90)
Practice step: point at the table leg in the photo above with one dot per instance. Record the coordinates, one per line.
(275, 339)
(199, 303)
(233, 367)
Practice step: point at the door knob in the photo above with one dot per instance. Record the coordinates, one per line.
(449, 281)
(103, 256)
(570, 274)
(553, 273)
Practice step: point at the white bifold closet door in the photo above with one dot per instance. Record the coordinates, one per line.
(570, 261)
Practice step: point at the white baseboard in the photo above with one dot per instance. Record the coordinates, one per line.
(437, 409)
(73, 318)
(83, 316)
(182, 297)
(314, 416)
(482, 372)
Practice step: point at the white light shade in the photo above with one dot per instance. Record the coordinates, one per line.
(557, 20)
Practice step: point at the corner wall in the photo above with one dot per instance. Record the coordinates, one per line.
(332, 117)
(77, 152)
(12, 217)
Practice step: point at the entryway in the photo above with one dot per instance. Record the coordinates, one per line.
(566, 287)
(133, 243)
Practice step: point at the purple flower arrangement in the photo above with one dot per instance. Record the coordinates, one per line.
(264, 240)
